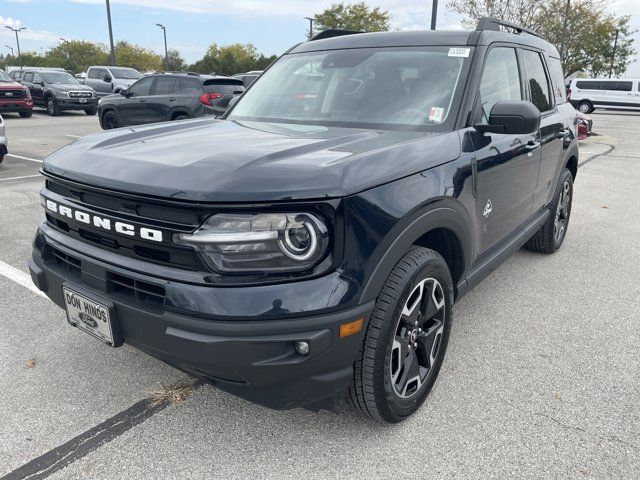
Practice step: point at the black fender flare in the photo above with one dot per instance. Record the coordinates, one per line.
(447, 214)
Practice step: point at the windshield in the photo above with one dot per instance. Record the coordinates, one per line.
(411, 86)
(4, 77)
(58, 77)
(126, 73)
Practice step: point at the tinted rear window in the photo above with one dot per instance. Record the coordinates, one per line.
(224, 86)
(623, 86)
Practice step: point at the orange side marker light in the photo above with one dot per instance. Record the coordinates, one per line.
(351, 328)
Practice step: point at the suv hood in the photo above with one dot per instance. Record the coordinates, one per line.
(227, 161)
(70, 87)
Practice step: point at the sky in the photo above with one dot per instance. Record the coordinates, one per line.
(192, 25)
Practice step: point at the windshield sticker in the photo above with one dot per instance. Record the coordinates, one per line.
(436, 114)
(459, 52)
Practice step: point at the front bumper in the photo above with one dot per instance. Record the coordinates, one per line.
(68, 103)
(15, 106)
(252, 357)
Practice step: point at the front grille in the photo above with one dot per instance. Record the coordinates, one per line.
(120, 285)
(11, 94)
(117, 204)
(80, 94)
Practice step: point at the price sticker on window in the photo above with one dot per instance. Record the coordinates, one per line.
(459, 52)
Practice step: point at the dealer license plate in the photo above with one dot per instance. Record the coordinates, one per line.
(88, 315)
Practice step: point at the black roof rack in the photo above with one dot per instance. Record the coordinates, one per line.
(334, 33)
(490, 23)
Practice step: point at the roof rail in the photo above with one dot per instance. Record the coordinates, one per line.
(334, 33)
(491, 23)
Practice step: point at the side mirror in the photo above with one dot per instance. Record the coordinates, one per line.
(40, 83)
(106, 78)
(125, 92)
(518, 117)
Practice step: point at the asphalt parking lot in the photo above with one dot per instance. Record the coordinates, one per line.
(541, 379)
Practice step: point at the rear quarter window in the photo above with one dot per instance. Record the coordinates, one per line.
(589, 85)
(557, 79)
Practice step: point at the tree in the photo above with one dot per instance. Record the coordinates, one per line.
(77, 55)
(587, 44)
(175, 60)
(357, 16)
(134, 56)
(231, 59)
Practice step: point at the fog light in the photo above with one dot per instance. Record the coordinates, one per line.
(302, 348)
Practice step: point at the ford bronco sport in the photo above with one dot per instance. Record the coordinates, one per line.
(310, 246)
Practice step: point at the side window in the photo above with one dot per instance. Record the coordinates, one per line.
(142, 87)
(537, 79)
(624, 86)
(500, 79)
(190, 86)
(28, 77)
(587, 85)
(37, 78)
(557, 78)
(164, 85)
(95, 73)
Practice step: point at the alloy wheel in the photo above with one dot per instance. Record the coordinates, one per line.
(417, 338)
(562, 212)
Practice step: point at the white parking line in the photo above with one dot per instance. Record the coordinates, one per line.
(19, 178)
(23, 158)
(73, 136)
(19, 277)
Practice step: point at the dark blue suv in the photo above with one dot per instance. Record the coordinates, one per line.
(310, 246)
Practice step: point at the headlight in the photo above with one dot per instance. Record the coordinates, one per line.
(269, 242)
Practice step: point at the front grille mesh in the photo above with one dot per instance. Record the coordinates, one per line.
(11, 94)
(129, 287)
(80, 94)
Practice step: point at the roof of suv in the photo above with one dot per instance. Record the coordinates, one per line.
(202, 78)
(425, 38)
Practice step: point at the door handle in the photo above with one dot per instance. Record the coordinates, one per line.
(172, 99)
(141, 100)
(562, 133)
(532, 145)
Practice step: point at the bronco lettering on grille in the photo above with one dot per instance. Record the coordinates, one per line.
(102, 222)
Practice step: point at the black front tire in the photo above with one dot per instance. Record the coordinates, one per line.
(91, 111)
(374, 392)
(181, 116)
(26, 113)
(52, 107)
(109, 120)
(585, 107)
(552, 234)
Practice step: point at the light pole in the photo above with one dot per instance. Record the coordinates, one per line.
(564, 30)
(613, 54)
(311, 20)
(113, 50)
(434, 14)
(166, 52)
(10, 48)
(64, 40)
(16, 30)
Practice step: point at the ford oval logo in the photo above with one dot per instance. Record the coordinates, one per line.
(8, 94)
(88, 320)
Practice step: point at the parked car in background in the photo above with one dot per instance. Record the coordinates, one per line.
(248, 78)
(59, 91)
(588, 94)
(106, 80)
(16, 73)
(585, 124)
(14, 97)
(3, 140)
(163, 97)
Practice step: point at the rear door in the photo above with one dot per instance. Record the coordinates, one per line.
(553, 129)
(621, 94)
(506, 165)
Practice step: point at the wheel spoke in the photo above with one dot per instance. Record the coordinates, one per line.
(429, 341)
(411, 310)
(410, 377)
